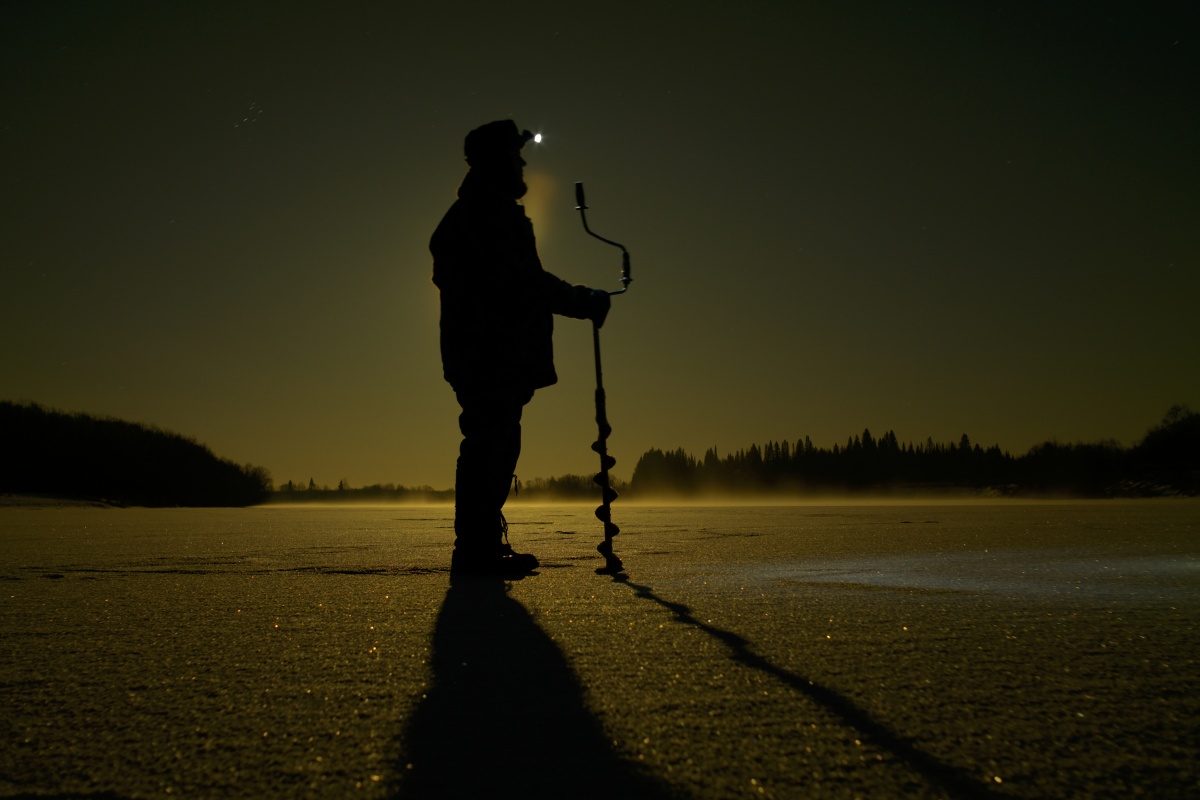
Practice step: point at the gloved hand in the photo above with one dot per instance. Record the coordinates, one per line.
(598, 305)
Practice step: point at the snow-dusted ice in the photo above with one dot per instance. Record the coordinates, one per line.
(1033, 650)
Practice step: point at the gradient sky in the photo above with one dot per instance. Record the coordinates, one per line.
(930, 217)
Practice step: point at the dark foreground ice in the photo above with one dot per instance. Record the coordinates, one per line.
(1003, 650)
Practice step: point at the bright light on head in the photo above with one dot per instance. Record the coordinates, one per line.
(537, 138)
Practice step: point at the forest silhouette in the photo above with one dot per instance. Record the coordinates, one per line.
(78, 456)
(1165, 462)
(56, 454)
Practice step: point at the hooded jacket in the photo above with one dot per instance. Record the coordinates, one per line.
(497, 301)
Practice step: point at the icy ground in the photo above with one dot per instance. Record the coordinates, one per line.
(1005, 650)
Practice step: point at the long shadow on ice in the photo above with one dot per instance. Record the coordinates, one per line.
(504, 716)
(951, 780)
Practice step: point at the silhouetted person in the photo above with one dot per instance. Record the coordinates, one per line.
(496, 329)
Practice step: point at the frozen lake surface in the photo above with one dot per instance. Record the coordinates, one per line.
(1032, 650)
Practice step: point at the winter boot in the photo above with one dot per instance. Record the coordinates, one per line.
(491, 556)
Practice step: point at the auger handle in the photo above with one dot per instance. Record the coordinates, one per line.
(581, 207)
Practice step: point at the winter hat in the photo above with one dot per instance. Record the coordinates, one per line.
(493, 141)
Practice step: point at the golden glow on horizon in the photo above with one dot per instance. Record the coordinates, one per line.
(764, 501)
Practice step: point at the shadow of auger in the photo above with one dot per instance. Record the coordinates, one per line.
(949, 779)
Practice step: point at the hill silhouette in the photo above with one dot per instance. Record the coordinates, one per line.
(56, 454)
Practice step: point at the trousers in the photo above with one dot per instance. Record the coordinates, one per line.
(487, 459)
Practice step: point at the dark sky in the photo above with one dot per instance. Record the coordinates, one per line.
(935, 218)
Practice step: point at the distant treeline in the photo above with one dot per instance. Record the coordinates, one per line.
(55, 454)
(566, 487)
(293, 492)
(1165, 462)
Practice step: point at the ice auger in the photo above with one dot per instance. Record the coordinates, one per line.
(612, 564)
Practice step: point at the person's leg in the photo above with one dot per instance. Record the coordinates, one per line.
(491, 445)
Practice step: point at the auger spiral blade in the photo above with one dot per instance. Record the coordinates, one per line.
(612, 564)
